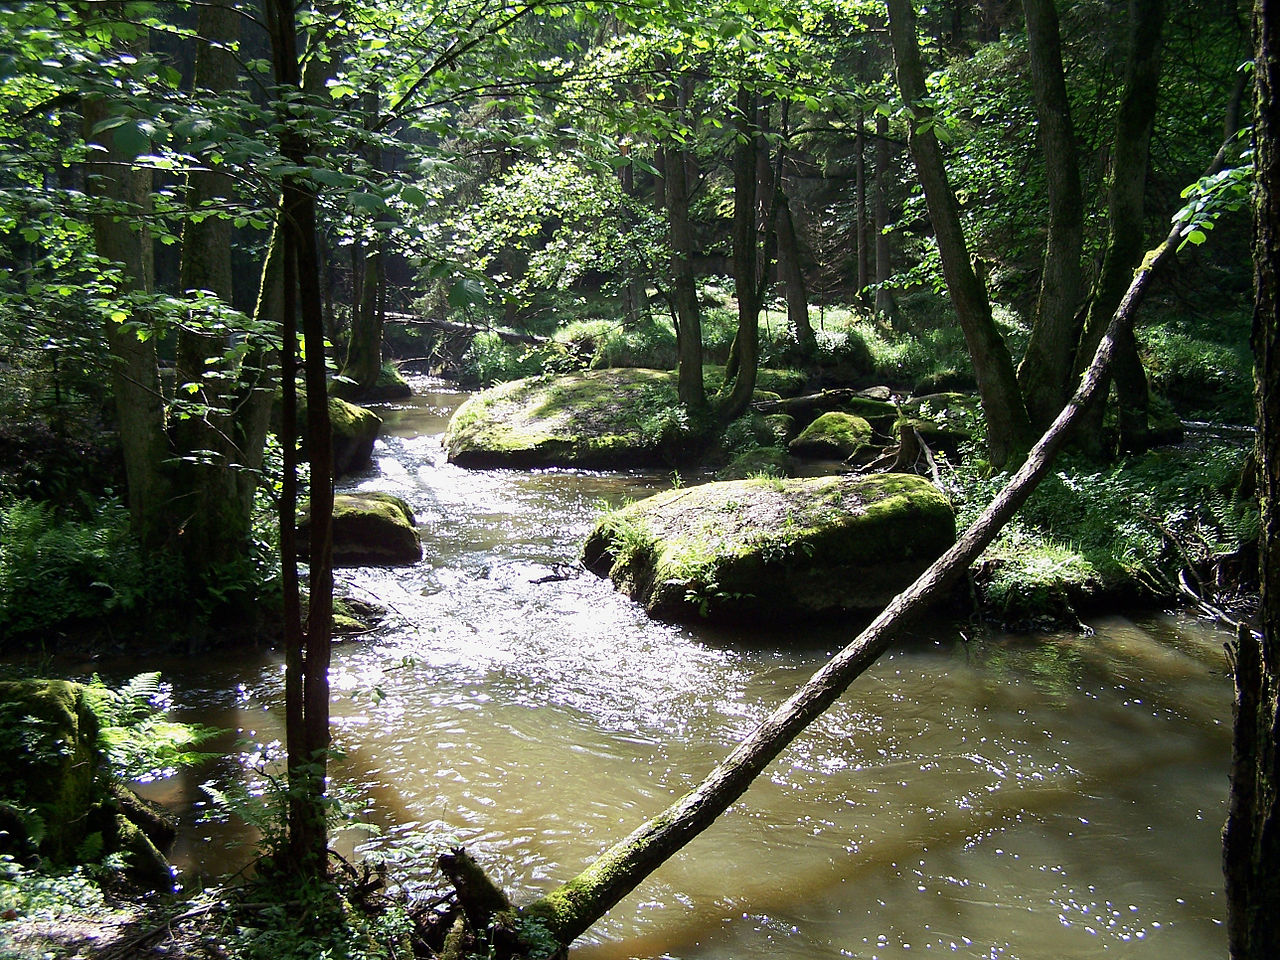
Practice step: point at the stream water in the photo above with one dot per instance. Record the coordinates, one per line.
(1016, 796)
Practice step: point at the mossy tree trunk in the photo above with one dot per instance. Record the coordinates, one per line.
(1251, 842)
(121, 236)
(216, 513)
(1008, 428)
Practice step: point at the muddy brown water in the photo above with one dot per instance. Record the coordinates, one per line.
(1016, 796)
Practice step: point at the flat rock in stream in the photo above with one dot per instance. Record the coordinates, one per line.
(773, 549)
(601, 419)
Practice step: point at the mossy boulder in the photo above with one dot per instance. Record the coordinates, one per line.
(755, 462)
(369, 529)
(833, 436)
(773, 549)
(390, 385)
(48, 776)
(601, 419)
(782, 426)
(354, 431)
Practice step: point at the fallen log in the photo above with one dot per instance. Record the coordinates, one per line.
(465, 329)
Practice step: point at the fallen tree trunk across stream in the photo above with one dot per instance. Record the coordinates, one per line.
(567, 912)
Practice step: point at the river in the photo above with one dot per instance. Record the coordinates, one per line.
(1055, 795)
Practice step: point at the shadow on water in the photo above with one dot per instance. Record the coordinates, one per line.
(1055, 795)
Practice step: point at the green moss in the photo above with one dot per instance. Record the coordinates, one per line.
(773, 547)
(834, 435)
(771, 461)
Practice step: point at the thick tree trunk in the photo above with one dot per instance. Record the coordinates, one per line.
(122, 237)
(568, 911)
(1251, 843)
(1045, 372)
(216, 514)
(884, 261)
(1008, 429)
(1125, 205)
(793, 278)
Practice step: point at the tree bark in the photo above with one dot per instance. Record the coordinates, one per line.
(747, 270)
(1125, 206)
(884, 260)
(216, 514)
(684, 290)
(1045, 372)
(364, 349)
(569, 910)
(121, 236)
(860, 208)
(1251, 842)
(309, 693)
(1008, 428)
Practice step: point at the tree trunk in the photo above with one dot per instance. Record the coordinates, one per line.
(364, 349)
(884, 265)
(569, 910)
(860, 208)
(1251, 842)
(124, 239)
(1008, 429)
(216, 514)
(307, 694)
(1045, 372)
(684, 290)
(789, 267)
(747, 270)
(1125, 206)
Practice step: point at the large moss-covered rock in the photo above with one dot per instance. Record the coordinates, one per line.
(833, 436)
(369, 529)
(48, 773)
(603, 418)
(354, 431)
(773, 549)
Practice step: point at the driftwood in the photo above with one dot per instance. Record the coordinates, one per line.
(464, 329)
(568, 911)
(809, 406)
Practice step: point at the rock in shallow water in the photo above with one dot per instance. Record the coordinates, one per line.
(773, 549)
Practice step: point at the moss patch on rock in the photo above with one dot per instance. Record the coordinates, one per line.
(760, 461)
(773, 549)
(602, 418)
(369, 529)
(833, 436)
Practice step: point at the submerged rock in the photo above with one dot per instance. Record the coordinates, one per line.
(773, 549)
(369, 529)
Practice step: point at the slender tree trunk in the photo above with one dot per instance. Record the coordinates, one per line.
(684, 290)
(789, 266)
(123, 237)
(1008, 428)
(860, 207)
(308, 834)
(569, 910)
(1045, 372)
(1124, 242)
(884, 265)
(364, 349)
(747, 268)
(1251, 842)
